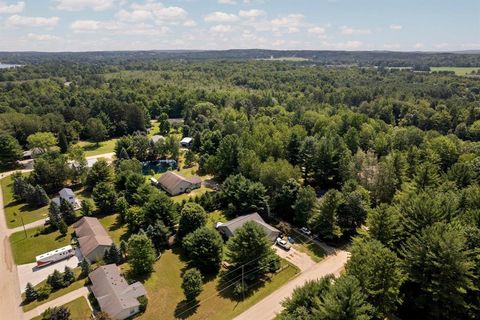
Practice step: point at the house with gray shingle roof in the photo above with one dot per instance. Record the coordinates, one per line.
(229, 228)
(175, 183)
(92, 237)
(113, 293)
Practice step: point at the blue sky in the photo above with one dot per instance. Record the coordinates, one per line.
(82, 25)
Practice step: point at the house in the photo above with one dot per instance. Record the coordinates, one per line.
(157, 138)
(114, 295)
(68, 195)
(186, 142)
(30, 154)
(92, 237)
(175, 183)
(229, 228)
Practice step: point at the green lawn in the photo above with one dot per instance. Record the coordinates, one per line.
(116, 230)
(79, 309)
(92, 149)
(26, 248)
(459, 71)
(166, 296)
(214, 217)
(16, 211)
(54, 295)
(306, 245)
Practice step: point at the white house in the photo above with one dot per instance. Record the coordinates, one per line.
(114, 295)
(186, 142)
(68, 195)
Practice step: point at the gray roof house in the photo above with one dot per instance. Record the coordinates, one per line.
(92, 237)
(114, 295)
(68, 195)
(186, 142)
(228, 228)
(175, 183)
(157, 138)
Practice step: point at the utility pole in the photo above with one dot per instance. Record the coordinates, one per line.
(23, 225)
(243, 282)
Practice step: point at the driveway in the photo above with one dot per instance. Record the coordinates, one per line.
(31, 273)
(270, 306)
(299, 259)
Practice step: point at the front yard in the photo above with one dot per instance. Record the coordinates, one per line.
(16, 211)
(306, 245)
(92, 149)
(166, 296)
(79, 309)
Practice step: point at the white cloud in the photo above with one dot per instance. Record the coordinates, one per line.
(391, 46)
(349, 45)
(157, 11)
(219, 16)
(24, 21)
(441, 45)
(221, 28)
(318, 31)
(12, 8)
(419, 45)
(77, 5)
(396, 27)
(227, 1)
(189, 23)
(291, 23)
(93, 25)
(254, 13)
(42, 37)
(351, 31)
(134, 16)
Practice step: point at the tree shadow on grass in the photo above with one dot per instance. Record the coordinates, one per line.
(227, 283)
(186, 309)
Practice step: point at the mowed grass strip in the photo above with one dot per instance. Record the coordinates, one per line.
(79, 309)
(15, 211)
(459, 71)
(55, 294)
(166, 299)
(306, 245)
(26, 247)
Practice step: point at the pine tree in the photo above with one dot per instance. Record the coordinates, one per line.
(54, 214)
(85, 267)
(62, 227)
(40, 196)
(68, 276)
(62, 142)
(123, 154)
(30, 293)
(56, 280)
(67, 211)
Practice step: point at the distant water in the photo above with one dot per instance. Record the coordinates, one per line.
(7, 66)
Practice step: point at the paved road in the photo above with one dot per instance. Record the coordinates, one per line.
(9, 286)
(270, 306)
(82, 292)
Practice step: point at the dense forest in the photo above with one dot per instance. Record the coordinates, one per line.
(386, 161)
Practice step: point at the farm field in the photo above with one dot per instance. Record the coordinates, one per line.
(459, 71)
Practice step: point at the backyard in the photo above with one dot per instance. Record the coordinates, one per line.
(93, 149)
(166, 296)
(79, 309)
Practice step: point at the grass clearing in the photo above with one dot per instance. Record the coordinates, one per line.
(79, 309)
(166, 295)
(306, 245)
(55, 294)
(117, 231)
(25, 249)
(15, 211)
(459, 71)
(92, 149)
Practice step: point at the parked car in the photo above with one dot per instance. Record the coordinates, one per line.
(283, 244)
(306, 231)
(291, 240)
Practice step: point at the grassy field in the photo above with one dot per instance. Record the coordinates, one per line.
(304, 244)
(16, 211)
(166, 296)
(79, 309)
(25, 249)
(91, 148)
(459, 71)
(54, 295)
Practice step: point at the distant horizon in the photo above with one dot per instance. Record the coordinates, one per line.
(350, 25)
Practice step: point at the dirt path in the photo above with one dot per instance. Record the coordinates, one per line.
(82, 292)
(270, 306)
(9, 286)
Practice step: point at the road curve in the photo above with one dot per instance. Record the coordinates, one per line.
(270, 306)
